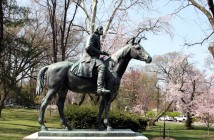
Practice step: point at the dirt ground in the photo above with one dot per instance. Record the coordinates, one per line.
(160, 138)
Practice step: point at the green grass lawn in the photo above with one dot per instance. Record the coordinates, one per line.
(179, 132)
(18, 123)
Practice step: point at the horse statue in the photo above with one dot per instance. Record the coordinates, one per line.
(60, 79)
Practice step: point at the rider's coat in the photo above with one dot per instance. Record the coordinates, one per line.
(91, 52)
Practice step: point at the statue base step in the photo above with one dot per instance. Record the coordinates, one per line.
(83, 134)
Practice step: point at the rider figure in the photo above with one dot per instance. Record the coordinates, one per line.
(92, 52)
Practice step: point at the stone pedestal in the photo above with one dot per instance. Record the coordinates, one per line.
(91, 134)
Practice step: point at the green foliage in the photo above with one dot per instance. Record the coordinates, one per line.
(81, 116)
(126, 120)
(151, 114)
(14, 15)
(85, 117)
(173, 114)
(195, 119)
(24, 95)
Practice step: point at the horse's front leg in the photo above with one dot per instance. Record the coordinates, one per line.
(107, 108)
(99, 118)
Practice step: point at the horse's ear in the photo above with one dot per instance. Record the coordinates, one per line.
(139, 41)
(128, 41)
(133, 40)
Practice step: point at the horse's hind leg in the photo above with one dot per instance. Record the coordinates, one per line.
(46, 100)
(61, 101)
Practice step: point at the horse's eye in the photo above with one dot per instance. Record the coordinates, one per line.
(138, 48)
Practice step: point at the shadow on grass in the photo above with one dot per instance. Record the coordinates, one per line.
(32, 126)
(18, 130)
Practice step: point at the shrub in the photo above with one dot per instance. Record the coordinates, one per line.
(81, 116)
(125, 120)
(151, 114)
(85, 117)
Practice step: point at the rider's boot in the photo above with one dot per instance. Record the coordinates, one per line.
(100, 82)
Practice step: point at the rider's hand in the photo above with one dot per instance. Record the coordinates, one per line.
(104, 53)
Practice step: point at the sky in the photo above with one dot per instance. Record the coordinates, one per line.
(186, 27)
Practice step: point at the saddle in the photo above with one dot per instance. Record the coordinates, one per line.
(84, 69)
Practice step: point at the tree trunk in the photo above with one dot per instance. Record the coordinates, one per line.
(208, 129)
(189, 121)
(2, 101)
(152, 122)
(1, 108)
(82, 99)
(93, 15)
(1, 28)
(203, 10)
(52, 20)
(94, 98)
(62, 29)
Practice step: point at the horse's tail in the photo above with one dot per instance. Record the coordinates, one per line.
(40, 80)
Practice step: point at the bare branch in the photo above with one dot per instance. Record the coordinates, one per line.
(112, 16)
(200, 43)
(82, 6)
(180, 9)
(202, 9)
(70, 23)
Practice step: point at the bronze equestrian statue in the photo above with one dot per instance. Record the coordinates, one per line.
(62, 77)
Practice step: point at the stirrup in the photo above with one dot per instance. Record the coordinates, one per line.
(103, 91)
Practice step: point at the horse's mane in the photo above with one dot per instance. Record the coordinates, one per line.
(121, 53)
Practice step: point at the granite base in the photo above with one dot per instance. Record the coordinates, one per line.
(82, 134)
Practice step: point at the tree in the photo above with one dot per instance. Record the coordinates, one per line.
(1, 27)
(118, 18)
(186, 90)
(61, 24)
(137, 92)
(164, 69)
(181, 82)
(21, 53)
(203, 106)
(207, 8)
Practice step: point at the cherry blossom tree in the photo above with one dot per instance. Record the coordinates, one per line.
(185, 89)
(138, 90)
(180, 80)
(203, 106)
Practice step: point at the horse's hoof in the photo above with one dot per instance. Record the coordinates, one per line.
(68, 128)
(109, 128)
(44, 128)
(101, 128)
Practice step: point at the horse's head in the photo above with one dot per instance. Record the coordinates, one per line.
(138, 52)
